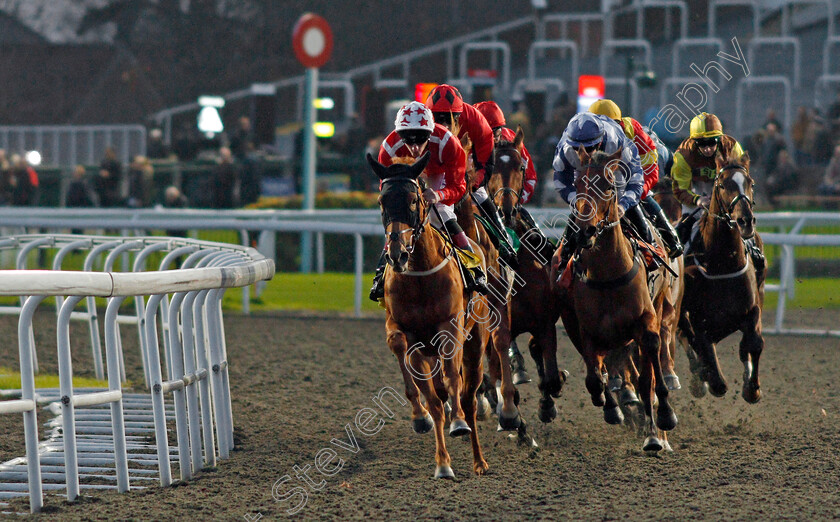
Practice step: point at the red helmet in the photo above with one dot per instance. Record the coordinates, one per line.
(445, 98)
(492, 112)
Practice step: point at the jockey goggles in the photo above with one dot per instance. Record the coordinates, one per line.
(414, 136)
(707, 142)
(444, 117)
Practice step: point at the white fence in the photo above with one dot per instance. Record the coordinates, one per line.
(186, 302)
(360, 223)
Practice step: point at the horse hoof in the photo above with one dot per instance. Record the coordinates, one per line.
(698, 387)
(614, 383)
(510, 423)
(458, 428)
(423, 424)
(752, 394)
(521, 377)
(628, 397)
(480, 468)
(652, 444)
(444, 472)
(666, 420)
(483, 408)
(548, 412)
(672, 382)
(598, 400)
(718, 389)
(613, 415)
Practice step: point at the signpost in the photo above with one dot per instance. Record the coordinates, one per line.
(313, 42)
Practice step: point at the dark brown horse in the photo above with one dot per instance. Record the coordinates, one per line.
(430, 319)
(532, 307)
(500, 282)
(610, 303)
(726, 292)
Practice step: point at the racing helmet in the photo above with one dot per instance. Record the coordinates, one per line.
(492, 113)
(585, 130)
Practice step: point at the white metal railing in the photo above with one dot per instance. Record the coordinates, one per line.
(361, 223)
(777, 41)
(196, 359)
(84, 144)
(762, 80)
(714, 5)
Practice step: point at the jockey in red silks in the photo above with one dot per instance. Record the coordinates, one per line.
(496, 119)
(449, 110)
(415, 133)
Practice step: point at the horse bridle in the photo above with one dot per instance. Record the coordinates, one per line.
(417, 229)
(725, 212)
(508, 190)
(604, 224)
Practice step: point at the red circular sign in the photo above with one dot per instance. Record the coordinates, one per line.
(312, 40)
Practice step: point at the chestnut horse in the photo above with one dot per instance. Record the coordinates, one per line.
(430, 325)
(532, 306)
(610, 303)
(500, 283)
(726, 293)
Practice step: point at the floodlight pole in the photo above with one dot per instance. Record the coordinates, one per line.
(308, 163)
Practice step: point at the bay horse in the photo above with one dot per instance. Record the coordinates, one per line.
(607, 304)
(429, 320)
(500, 282)
(726, 292)
(532, 307)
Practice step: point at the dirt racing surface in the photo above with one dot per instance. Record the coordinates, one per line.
(298, 383)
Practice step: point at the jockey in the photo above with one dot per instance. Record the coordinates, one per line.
(449, 110)
(596, 132)
(694, 172)
(648, 152)
(415, 133)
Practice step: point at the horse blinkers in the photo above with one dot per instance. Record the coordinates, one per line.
(401, 207)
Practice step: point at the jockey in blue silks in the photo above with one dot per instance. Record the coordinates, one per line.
(595, 132)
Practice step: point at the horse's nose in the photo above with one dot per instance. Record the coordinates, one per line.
(403, 258)
(590, 231)
(746, 220)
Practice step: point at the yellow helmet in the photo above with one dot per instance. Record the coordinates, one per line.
(706, 125)
(606, 108)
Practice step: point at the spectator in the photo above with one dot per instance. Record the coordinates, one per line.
(831, 182)
(5, 168)
(242, 141)
(173, 198)
(79, 194)
(783, 179)
(226, 178)
(107, 183)
(803, 134)
(823, 142)
(156, 148)
(19, 181)
(140, 178)
(773, 142)
(770, 117)
(521, 118)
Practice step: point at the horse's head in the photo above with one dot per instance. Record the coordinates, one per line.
(401, 204)
(469, 171)
(596, 207)
(732, 198)
(508, 177)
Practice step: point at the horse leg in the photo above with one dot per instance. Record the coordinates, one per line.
(471, 367)
(554, 378)
(443, 468)
(752, 344)
(685, 336)
(509, 417)
(547, 411)
(452, 374)
(421, 421)
(666, 336)
(649, 343)
(709, 365)
(594, 377)
(652, 442)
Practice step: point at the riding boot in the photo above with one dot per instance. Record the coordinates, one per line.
(532, 224)
(569, 244)
(501, 242)
(377, 291)
(756, 254)
(637, 219)
(684, 228)
(517, 365)
(669, 235)
(474, 278)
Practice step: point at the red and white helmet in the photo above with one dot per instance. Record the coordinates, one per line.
(414, 116)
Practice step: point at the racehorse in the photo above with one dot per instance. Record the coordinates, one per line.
(608, 294)
(499, 281)
(726, 292)
(430, 325)
(532, 307)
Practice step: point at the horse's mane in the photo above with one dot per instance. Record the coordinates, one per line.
(467, 145)
(403, 160)
(740, 162)
(600, 158)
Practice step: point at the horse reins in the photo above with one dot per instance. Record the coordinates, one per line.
(727, 210)
(417, 230)
(506, 190)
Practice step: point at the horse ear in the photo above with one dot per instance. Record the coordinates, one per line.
(519, 138)
(615, 156)
(377, 167)
(720, 161)
(745, 160)
(420, 164)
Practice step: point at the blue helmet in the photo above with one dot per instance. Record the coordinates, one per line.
(585, 129)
